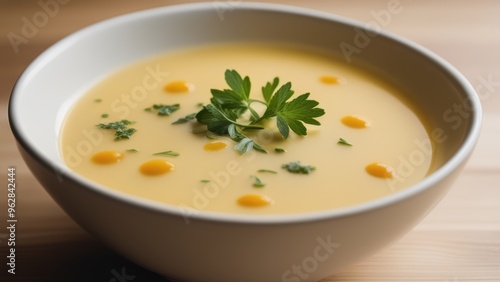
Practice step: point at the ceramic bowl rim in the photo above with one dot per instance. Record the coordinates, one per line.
(441, 173)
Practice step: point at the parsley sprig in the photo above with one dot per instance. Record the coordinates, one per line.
(224, 114)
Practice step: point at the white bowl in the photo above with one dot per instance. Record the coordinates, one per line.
(207, 246)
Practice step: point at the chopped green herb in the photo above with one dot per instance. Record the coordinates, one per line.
(132, 150)
(205, 181)
(167, 153)
(227, 107)
(267, 170)
(257, 182)
(244, 144)
(163, 110)
(185, 119)
(342, 141)
(279, 150)
(297, 167)
(98, 100)
(199, 105)
(104, 115)
(122, 131)
(210, 135)
(198, 128)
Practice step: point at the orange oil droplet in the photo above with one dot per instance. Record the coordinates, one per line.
(380, 170)
(329, 79)
(178, 86)
(156, 167)
(254, 200)
(355, 121)
(215, 146)
(107, 157)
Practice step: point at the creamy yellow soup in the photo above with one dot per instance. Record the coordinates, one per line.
(370, 142)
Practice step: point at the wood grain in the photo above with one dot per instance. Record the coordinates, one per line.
(458, 241)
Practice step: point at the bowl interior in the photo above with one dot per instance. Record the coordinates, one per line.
(50, 85)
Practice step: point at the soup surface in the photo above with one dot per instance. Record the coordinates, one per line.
(121, 134)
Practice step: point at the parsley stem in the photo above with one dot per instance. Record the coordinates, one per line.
(258, 101)
(248, 126)
(255, 115)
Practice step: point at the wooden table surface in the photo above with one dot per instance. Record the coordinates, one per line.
(458, 241)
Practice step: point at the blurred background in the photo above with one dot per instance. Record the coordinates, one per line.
(458, 241)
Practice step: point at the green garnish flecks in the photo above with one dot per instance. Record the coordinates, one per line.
(342, 141)
(167, 153)
(267, 170)
(257, 182)
(297, 167)
(162, 109)
(205, 181)
(98, 100)
(279, 150)
(185, 119)
(104, 115)
(245, 143)
(122, 131)
(132, 150)
(224, 113)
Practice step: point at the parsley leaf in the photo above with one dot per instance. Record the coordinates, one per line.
(257, 182)
(297, 167)
(167, 153)
(163, 110)
(342, 141)
(241, 87)
(122, 131)
(185, 119)
(245, 143)
(268, 90)
(217, 118)
(267, 170)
